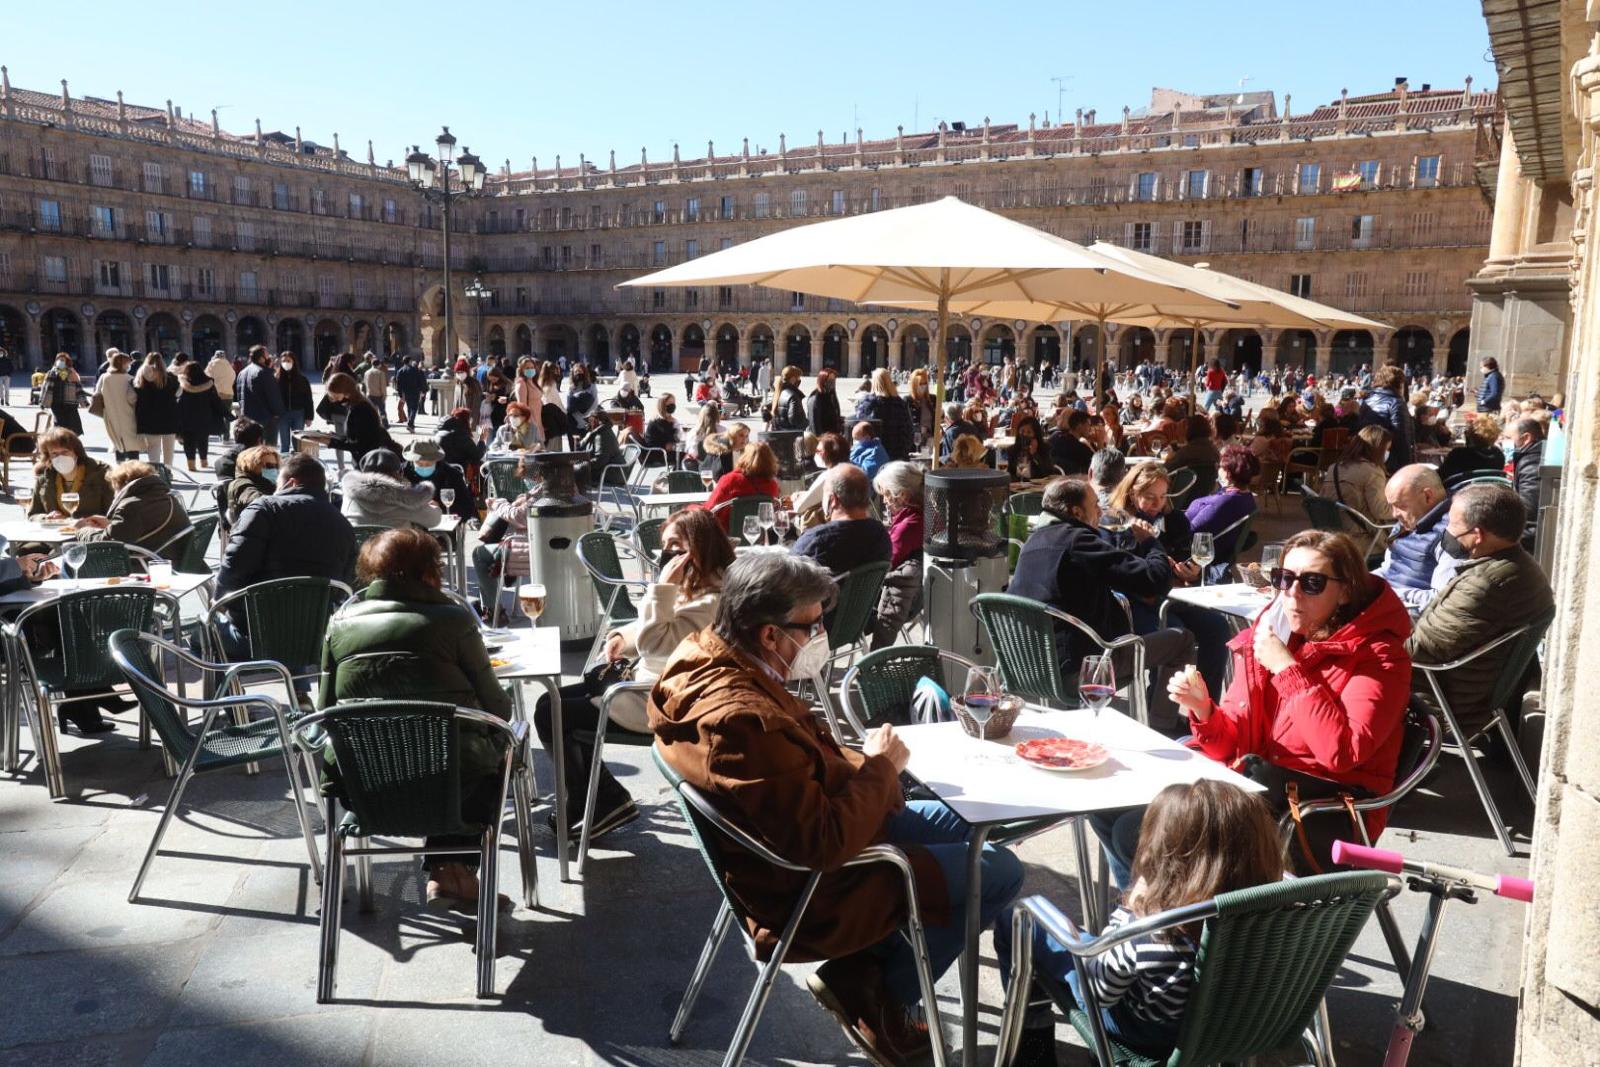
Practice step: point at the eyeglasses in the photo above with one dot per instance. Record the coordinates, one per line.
(811, 629)
(1311, 583)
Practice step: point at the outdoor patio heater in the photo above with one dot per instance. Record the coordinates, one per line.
(556, 519)
(964, 554)
(789, 447)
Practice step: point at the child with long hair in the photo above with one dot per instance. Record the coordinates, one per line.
(1197, 840)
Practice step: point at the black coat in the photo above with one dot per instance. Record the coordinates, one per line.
(155, 407)
(1383, 407)
(287, 535)
(822, 412)
(197, 412)
(459, 445)
(1462, 463)
(791, 410)
(1068, 565)
(449, 476)
(1525, 476)
(894, 423)
(363, 430)
(1068, 452)
(295, 388)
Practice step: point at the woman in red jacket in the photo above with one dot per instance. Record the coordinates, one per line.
(1322, 711)
(755, 473)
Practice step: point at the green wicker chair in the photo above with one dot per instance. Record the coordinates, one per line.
(647, 539)
(847, 627)
(398, 767)
(217, 743)
(284, 620)
(104, 559)
(501, 480)
(714, 836)
(1201, 481)
(190, 557)
(1266, 957)
(1523, 643)
(63, 644)
(679, 481)
(877, 689)
(1336, 516)
(1022, 633)
(602, 555)
(738, 509)
(1027, 504)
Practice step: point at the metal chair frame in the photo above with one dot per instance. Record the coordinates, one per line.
(844, 644)
(219, 607)
(240, 705)
(1497, 720)
(1138, 699)
(1372, 530)
(725, 920)
(512, 780)
(592, 788)
(618, 585)
(24, 678)
(848, 690)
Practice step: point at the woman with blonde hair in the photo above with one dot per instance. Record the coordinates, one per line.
(920, 401)
(968, 453)
(155, 408)
(1357, 479)
(884, 407)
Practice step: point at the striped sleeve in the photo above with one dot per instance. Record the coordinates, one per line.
(1149, 978)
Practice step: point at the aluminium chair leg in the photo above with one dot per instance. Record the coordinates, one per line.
(769, 973)
(332, 901)
(50, 749)
(1014, 1014)
(708, 953)
(298, 799)
(1321, 1035)
(930, 997)
(488, 908)
(592, 793)
(1510, 740)
(171, 809)
(1474, 771)
(522, 786)
(363, 879)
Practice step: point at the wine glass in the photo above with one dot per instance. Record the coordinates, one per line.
(1115, 520)
(766, 514)
(1271, 557)
(74, 554)
(1203, 550)
(69, 503)
(780, 522)
(751, 529)
(531, 597)
(447, 497)
(981, 696)
(708, 479)
(1097, 682)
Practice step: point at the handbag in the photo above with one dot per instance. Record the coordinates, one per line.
(97, 405)
(602, 676)
(1284, 794)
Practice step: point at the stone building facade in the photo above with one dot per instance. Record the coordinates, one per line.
(143, 228)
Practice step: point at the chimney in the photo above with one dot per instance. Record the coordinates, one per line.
(1401, 83)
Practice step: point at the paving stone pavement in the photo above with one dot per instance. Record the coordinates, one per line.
(218, 960)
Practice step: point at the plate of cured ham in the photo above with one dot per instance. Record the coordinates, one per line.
(1062, 754)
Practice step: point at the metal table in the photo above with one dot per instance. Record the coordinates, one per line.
(534, 655)
(988, 785)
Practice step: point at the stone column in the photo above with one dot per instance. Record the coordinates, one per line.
(852, 358)
(185, 338)
(897, 354)
(230, 337)
(1511, 198)
(33, 344)
(744, 348)
(1324, 354)
(1269, 349)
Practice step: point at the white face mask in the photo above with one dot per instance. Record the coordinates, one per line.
(517, 422)
(811, 659)
(64, 465)
(821, 463)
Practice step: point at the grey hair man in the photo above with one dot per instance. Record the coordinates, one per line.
(1106, 471)
(1412, 564)
(725, 722)
(851, 536)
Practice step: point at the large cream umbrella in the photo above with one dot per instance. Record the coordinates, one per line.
(947, 255)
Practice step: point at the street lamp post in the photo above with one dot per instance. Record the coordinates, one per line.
(479, 293)
(431, 177)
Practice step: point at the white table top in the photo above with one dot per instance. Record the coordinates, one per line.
(181, 585)
(1238, 599)
(534, 652)
(662, 500)
(986, 782)
(21, 531)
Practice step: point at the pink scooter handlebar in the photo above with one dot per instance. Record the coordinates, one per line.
(1382, 859)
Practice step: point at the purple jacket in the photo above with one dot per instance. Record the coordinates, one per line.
(1215, 513)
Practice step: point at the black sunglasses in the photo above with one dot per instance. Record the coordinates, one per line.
(1311, 583)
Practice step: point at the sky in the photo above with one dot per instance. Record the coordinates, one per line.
(517, 80)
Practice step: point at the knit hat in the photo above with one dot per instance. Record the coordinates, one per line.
(461, 365)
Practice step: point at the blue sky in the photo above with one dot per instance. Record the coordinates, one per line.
(518, 79)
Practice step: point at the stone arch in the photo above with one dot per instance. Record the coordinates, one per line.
(292, 337)
(999, 343)
(1135, 345)
(1456, 357)
(394, 339)
(957, 342)
(362, 338)
(495, 342)
(628, 343)
(874, 348)
(114, 329)
(14, 334)
(163, 333)
(1413, 345)
(430, 325)
(60, 330)
(914, 345)
(835, 346)
(1184, 346)
(209, 336)
(1044, 345)
(327, 341)
(660, 353)
(761, 341)
(725, 346)
(599, 346)
(1240, 349)
(560, 340)
(1297, 349)
(693, 347)
(797, 347)
(250, 330)
(1086, 345)
(1351, 349)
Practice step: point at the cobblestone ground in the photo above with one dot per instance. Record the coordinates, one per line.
(218, 961)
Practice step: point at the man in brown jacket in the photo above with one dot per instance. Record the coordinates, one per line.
(1497, 587)
(724, 720)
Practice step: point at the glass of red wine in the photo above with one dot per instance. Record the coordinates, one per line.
(982, 696)
(1097, 682)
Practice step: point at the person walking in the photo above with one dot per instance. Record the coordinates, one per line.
(375, 383)
(258, 393)
(199, 410)
(220, 371)
(155, 409)
(298, 410)
(114, 391)
(59, 392)
(411, 382)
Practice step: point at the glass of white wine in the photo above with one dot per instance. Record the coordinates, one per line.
(751, 529)
(767, 515)
(531, 596)
(447, 497)
(1203, 550)
(780, 522)
(69, 503)
(73, 555)
(1115, 520)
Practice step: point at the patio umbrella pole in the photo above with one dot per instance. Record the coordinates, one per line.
(939, 362)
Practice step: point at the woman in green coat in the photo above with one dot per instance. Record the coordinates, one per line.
(402, 638)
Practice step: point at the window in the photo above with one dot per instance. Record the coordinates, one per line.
(392, 214)
(658, 213)
(566, 256)
(1368, 170)
(1427, 172)
(104, 219)
(1308, 179)
(522, 297)
(325, 289)
(244, 236)
(725, 296)
(1193, 235)
(1194, 184)
(691, 249)
(1300, 285)
(280, 196)
(152, 178)
(596, 217)
(763, 208)
(797, 203)
(658, 298)
(394, 292)
(1250, 181)
(55, 269)
(324, 240)
(1139, 236)
(108, 274)
(1191, 140)
(838, 202)
(724, 243)
(1244, 235)
(100, 170)
(197, 183)
(319, 202)
(205, 281)
(1144, 185)
(1305, 232)
(547, 256)
(691, 298)
(877, 198)
(725, 208)
(247, 285)
(358, 206)
(1418, 283)
(797, 301)
(5, 264)
(358, 288)
(597, 256)
(691, 209)
(1361, 231)
(158, 226)
(160, 278)
(658, 253)
(1422, 226)
(241, 189)
(202, 231)
(1355, 284)
(50, 215)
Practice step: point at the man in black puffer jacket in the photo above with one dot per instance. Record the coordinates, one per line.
(296, 532)
(1526, 459)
